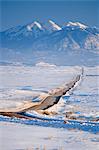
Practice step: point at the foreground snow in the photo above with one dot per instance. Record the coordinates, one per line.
(21, 83)
(16, 136)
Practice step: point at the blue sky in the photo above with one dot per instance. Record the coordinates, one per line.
(14, 13)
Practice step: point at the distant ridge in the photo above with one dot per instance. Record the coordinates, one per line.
(72, 35)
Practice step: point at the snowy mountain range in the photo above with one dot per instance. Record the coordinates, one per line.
(72, 35)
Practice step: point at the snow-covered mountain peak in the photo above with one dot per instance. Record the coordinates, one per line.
(54, 25)
(38, 25)
(77, 24)
(71, 35)
(35, 23)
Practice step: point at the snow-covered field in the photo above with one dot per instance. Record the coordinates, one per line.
(22, 137)
(19, 83)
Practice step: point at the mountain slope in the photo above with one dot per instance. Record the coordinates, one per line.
(73, 35)
(22, 36)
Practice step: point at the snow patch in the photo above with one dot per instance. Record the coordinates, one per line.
(29, 27)
(54, 25)
(78, 24)
(43, 64)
